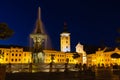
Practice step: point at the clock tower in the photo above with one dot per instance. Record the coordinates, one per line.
(65, 40)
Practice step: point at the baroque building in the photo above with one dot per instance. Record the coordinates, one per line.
(104, 57)
(14, 55)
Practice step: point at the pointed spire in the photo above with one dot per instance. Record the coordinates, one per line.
(65, 27)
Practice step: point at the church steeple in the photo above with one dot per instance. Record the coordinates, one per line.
(65, 29)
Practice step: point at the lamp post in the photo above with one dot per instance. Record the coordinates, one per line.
(52, 61)
(66, 64)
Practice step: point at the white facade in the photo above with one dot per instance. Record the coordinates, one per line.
(80, 50)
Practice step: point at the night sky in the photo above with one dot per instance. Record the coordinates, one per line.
(90, 22)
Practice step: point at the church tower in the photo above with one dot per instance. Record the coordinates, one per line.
(80, 50)
(65, 40)
(38, 39)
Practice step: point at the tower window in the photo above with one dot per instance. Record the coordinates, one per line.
(67, 38)
(66, 41)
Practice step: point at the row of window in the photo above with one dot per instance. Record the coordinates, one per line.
(63, 42)
(15, 60)
(15, 54)
(11, 50)
(58, 55)
(60, 60)
(65, 38)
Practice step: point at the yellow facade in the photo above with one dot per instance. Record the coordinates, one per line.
(59, 57)
(65, 42)
(14, 55)
(102, 57)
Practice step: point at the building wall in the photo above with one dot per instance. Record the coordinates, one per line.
(17, 55)
(103, 58)
(59, 57)
(14, 55)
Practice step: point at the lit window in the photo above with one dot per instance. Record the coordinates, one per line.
(66, 41)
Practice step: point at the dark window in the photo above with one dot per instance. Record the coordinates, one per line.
(7, 53)
(6, 59)
(19, 54)
(66, 41)
(67, 38)
(11, 59)
(12, 54)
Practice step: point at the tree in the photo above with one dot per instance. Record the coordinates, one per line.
(76, 55)
(5, 31)
(115, 55)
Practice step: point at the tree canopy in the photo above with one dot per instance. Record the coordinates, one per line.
(5, 31)
(115, 55)
(76, 55)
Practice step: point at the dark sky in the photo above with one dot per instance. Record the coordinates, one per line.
(89, 21)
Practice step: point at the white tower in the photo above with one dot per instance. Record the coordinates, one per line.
(80, 50)
(65, 40)
(38, 37)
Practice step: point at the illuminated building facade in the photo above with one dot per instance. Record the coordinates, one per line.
(17, 55)
(14, 55)
(103, 57)
(80, 51)
(59, 57)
